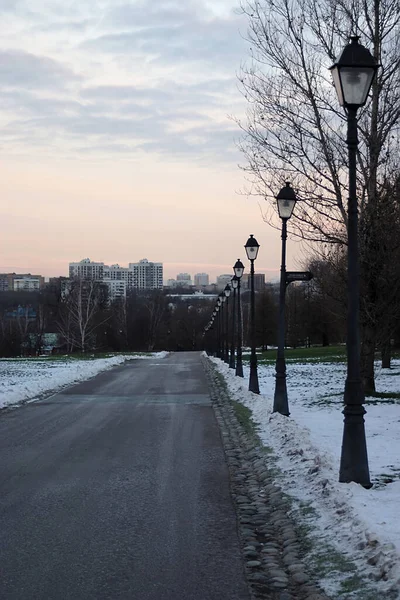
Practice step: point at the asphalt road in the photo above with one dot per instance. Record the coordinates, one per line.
(117, 488)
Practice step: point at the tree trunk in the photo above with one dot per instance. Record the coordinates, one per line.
(386, 354)
(367, 359)
(325, 339)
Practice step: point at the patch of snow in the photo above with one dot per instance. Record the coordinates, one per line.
(362, 524)
(25, 379)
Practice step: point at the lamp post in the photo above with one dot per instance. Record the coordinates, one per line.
(227, 292)
(217, 310)
(353, 75)
(234, 286)
(286, 200)
(251, 248)
(223, 333)
(238, 269)
(214, 334)
(211, 336)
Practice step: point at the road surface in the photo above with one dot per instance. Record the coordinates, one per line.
(117, 488)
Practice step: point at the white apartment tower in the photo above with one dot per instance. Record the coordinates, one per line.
(147, 275)
(86, 269)
(116, 289)
(141, 275)
(117, 273)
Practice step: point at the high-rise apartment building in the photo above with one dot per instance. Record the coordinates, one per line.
(87, 269)
(259, 281)
(117, 273)
(201, 279)
(184, 279)
(116, 288)
(141, 275)
(147, 275)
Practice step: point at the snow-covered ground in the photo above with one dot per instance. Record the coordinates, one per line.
(362, 524)
(27, 378)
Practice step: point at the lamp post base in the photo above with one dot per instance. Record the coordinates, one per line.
(226, 356)
(239, 368)
(253, 380)
(281, 404)
(354, 458)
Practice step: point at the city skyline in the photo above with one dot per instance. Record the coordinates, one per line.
(213, 278)
(119, 137)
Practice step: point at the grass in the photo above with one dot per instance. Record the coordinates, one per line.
(313, 354)
(384, 395)
(243, 415)
(324, 560)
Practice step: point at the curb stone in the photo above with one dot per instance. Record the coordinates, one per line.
(269, 542)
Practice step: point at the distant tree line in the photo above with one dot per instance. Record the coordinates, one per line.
(82, 319)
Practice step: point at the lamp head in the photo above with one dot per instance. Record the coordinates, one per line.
(353, 74)
(252, 247)
(238, 268)
(286, 200)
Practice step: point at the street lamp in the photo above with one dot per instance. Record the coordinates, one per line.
(212, 335)
(218, 317)
(227, 292)
(238, 269)
(353, 75)
(286, 200)
(251, 248)
(234, 286)
(222, 298)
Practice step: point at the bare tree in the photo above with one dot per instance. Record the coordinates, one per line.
(78, 321)
(295, 130)
(155, 305)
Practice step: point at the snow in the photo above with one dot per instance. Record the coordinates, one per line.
(28, 378)
(362, 524)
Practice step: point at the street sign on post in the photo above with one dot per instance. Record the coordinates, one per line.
(298, 276)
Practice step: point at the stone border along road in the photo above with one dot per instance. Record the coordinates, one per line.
(270, 546)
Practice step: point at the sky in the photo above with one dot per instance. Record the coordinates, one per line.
(118, 140)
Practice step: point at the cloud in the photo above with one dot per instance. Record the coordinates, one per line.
(63, 26)
(20, 69)
(214, 41)
(121, 77)
(153, 14)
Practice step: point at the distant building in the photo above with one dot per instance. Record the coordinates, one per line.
(27, 283)
(147, 275)
(259, 281)
(222, 280)
(117, 273)
(87, 269)
(184, 279)
(172, 283)
(201, 279)
(116, 289)
(20, 282)
(141, 275)
(6, 282)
